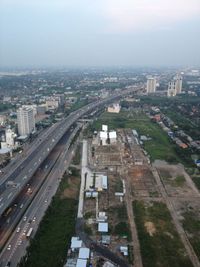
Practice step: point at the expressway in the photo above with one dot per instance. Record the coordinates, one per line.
(18, 177)
(18, 242)
(24, 198)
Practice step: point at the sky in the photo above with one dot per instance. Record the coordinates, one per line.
(99, 33)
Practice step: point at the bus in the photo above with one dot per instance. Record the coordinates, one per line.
(28, 235)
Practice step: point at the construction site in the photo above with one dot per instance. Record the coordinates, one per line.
(130, 206)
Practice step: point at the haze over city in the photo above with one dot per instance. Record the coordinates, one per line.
(99, 133)
(99, 33)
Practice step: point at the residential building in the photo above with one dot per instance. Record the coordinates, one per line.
(151, 85)
(25, 121)
(115, 108)
(179, 82)
(175, 86)
(171, 89)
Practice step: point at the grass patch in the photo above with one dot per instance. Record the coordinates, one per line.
(159, 147)
(196, 180)
(122, 229)
(49, 246)
(118, 185)
(191, 224)
(179, 181)
(88, 229)
(77, 157)
(163, 247)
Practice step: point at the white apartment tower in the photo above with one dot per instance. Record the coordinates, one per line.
(25, 121)
(179, 82)
(151, 85)
(175, 86)
(171, 89)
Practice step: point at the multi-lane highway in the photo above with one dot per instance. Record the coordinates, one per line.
(16, 246)
(14, 181)
(24, 198)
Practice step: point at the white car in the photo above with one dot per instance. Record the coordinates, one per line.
(34, 218)
(18, 229)
(19, 242)
(9, 247)
(25, 218)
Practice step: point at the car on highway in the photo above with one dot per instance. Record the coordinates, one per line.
(34, 219)
(29, 191)
(19, 242)
(9, 247)
(18, 229)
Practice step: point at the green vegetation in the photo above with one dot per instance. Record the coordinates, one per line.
(177, 181)
(89, 215)
(4, 107)
(196, 180)
(118, 185)
(79, 104)
(159, 241)
(191, 224)
(159, 147)
(77, 156)
(122, 229)
(87, 229)
(49, 246)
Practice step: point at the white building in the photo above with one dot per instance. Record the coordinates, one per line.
(101, 182)
(151, 85)
(175, 86)
(76, 243)
(81, 263)
(103, 138)
(84, 253)
(103, 227)
(179, 81)
(33, 107)
(115, 108)
(171, 89)
(113, 137)
(10, 138)
(25, 121)
(104, 128)
(3, 119)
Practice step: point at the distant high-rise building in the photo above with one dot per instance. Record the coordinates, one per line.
(171, 89)
(175, 86)
(178, 81)
(25, 121)
(151, 85)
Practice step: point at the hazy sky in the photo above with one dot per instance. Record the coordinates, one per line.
(99, 32)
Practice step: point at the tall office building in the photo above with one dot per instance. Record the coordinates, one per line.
(151, 85)
(179, 81)
(25, 121)
(171, 89)
(175, 86)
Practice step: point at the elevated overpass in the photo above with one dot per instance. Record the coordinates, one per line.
(27, 167)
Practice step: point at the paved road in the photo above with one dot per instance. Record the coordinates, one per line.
(21, 174)
(101, 250)
(24, 198)
(35, 212)
(83, 172)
